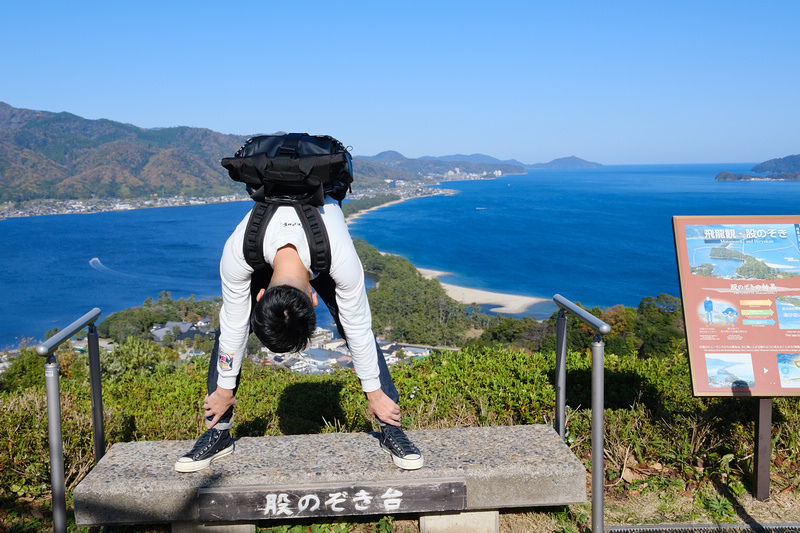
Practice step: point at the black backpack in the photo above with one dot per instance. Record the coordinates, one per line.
(296, 170)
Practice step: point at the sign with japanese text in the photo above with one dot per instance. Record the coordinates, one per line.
(740, 288)
(367, 498)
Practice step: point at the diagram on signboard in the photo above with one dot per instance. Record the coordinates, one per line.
(719, 311)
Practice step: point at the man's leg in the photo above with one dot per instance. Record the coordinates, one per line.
(260, 279)
(215, 442)
(387, 385)
(226, 420)
(392, 439)
(326, 289)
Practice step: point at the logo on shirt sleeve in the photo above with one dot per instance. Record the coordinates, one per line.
(225, 360)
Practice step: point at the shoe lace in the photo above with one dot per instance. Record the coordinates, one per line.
(398, 437)
(206, 440)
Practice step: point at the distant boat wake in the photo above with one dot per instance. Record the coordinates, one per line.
(161, 281)
(95, 263)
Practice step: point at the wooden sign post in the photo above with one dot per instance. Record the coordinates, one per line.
(740, 289)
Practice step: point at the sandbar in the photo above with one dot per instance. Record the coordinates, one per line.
(506, 303)
(353, 216)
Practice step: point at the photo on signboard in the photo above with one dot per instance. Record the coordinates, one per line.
(730, 370)
(789, 367)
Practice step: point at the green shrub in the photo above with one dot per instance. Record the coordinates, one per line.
(651, 416)
(26, 370)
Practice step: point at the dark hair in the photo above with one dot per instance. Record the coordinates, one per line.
(283, 319)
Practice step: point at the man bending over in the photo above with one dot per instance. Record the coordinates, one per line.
(277, 303)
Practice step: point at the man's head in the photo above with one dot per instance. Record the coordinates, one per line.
(283, 318)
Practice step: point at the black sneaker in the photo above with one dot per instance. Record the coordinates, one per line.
(395, 442)
(211, 445)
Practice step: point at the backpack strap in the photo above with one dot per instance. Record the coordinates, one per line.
(254, 234)
(316, 235)
(314, 227)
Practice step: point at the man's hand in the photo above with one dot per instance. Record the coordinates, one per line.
(216, 403)
(383, 407)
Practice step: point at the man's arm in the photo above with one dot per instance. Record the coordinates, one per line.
(234, 315)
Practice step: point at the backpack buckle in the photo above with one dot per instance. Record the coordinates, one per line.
(290, 144)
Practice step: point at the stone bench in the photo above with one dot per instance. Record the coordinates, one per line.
(469, 474)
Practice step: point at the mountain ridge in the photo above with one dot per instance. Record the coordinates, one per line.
(60, 155)
(559, 163)
(432, 166)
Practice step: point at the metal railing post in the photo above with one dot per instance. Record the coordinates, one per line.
(55, 439)
(54, 430)
(598, 393)
(561, 374)
(98, 425)
(598, 425)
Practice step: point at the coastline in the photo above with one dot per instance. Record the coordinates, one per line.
(505, 303)
(351, 218)
(502, 302)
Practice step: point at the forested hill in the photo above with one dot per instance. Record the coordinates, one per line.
(780, 169)
(439, 167)
(61, 155)
(789, 163)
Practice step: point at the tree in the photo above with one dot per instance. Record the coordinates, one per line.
(659, 323)
(26, 371)
(622, 339)
(137, 322)
(135, 356)
(168, 339)
(407, 307)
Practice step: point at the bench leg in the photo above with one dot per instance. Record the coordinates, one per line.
(199, 527)
(470, 522)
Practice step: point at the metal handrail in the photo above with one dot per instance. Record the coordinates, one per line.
(598, 390)
(53, 388)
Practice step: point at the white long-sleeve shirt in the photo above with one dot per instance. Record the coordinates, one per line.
(347, 273)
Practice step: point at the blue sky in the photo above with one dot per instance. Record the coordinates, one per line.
(613, 82)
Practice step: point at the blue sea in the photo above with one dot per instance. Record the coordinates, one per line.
(600, 237)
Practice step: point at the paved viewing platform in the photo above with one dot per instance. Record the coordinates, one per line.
(469, 474)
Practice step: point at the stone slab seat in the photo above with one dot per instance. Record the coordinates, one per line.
(501, 467)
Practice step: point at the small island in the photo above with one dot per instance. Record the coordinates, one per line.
(781, 169)
(561, 163)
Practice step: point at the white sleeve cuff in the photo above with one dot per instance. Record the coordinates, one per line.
(371, 385)
(226, 382)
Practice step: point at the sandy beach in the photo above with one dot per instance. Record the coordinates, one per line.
(505, 303)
